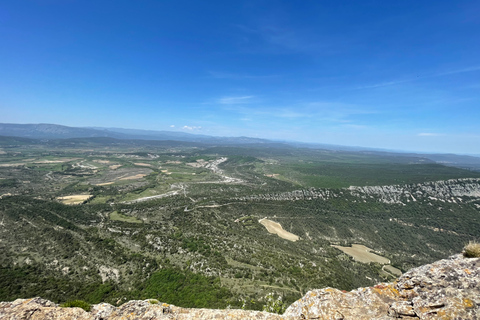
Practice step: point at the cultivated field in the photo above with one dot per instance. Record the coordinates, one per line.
(74, 198)
(362, 254)
(276, 228)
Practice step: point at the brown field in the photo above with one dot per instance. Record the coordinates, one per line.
(276, 228)
(74, 198)
(55, 161)
(393, 270)
(194, 164)
(12, 164)
(115, 166)
(142, 164)
(198, 164)
(362, 254)
(105, 183)
(137, 176)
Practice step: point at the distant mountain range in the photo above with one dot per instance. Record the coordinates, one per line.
(44, 131)
(55, 131)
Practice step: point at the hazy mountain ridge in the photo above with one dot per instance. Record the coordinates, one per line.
(54, 131)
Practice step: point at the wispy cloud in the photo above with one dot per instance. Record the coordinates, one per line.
(429, 134)
(271, 112)
(275, 36)
(411, 79)
(235, 100)
(288, 113)
(385, 84)
(463, 70)
(191, 128)
(326, 112)
(355, 126)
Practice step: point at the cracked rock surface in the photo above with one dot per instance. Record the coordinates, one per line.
(446, 289)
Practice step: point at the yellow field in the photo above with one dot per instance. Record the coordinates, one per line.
(276, 228)
(105, 183)
(55, 161)
(102, 161)
(393, 270)
(142, 164)
(12, 164)
(137, 176)
(362, 254)
(74, 198)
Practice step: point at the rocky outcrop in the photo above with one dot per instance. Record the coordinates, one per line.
(40, 309)
(446, 191)
(452, 191)
(446, 289)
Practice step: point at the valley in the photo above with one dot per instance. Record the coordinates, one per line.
(113, 220)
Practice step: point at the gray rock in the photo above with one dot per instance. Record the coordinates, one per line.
(446, 289)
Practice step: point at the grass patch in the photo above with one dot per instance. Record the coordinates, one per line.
(472, 250)
(100, 200)
(120, 217)
(77, 304)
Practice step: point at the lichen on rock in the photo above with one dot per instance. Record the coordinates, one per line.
(446, 289)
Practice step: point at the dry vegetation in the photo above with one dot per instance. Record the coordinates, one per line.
(472, 250)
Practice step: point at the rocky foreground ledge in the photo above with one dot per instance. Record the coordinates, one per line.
(446, 289)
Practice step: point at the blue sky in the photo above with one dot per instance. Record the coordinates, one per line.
(399, 75)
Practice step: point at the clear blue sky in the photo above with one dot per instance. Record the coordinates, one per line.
(389, 74)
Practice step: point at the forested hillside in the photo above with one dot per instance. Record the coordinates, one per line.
(117, 220)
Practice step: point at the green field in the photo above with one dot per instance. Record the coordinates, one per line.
(120, 217)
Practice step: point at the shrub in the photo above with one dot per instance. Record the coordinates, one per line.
(274, 305)
(77, 304)
(472, 250)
